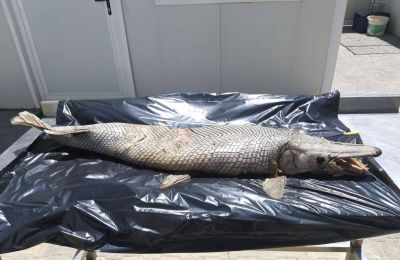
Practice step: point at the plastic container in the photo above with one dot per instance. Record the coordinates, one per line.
(360, 23)
(377, 25)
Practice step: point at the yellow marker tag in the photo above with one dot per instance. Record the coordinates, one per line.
(352, 133)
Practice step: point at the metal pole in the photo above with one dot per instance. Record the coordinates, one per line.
(355, 251)
(84, 255)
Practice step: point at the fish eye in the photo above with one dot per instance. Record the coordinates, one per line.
(320, 159)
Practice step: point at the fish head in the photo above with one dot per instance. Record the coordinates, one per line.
(304, 153)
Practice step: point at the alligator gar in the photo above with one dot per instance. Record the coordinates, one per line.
(221, 149)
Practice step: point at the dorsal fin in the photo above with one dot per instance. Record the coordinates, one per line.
(71, 130)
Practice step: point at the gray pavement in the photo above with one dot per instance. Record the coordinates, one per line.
(368, 65)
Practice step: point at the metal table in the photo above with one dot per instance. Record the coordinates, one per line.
(381, 130)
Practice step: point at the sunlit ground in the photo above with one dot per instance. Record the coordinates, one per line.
(368, 65)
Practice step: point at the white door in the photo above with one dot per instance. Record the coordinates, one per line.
(173, 48)
(254, 46)
(74, 48)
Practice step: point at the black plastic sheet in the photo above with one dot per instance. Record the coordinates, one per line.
(65, 196)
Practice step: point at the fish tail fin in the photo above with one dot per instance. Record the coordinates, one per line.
(28, 119)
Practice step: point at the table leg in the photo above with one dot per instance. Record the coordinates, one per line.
(84, 255)
(355, 250)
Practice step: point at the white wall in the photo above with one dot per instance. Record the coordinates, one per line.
(269, 47)
(14, 92)
(394, 8)
(356, 6)
(277, 47)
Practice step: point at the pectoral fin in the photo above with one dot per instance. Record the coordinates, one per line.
(274, 187)
(173, 179)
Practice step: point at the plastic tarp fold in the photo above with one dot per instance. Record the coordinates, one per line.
(56, 194)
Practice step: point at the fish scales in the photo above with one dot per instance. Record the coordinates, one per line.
(227, 149)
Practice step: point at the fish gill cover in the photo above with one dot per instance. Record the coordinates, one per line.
(60, 195)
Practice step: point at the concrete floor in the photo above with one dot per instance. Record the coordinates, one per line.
(368, 65)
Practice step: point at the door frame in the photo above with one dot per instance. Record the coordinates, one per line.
(21, 56)
(29, 58)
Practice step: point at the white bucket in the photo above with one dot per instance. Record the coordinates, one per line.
(377, 25)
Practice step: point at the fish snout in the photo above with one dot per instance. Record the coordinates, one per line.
(347, 157)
